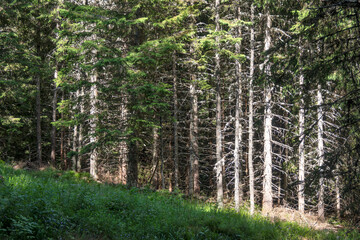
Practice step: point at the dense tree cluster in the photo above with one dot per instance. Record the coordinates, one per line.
(249, 101)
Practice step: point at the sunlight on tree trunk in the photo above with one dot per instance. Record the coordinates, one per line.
(251, 114)
(238, 126)
(267, 181)
(301, 149)
(320, 153)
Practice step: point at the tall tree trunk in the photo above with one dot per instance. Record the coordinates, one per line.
(38, 121)
(194, 185)
(219, 159)
(54, 101)
(124, 119)
(301, 147)
(162, 155)
(337, 191)
(132, 170)
(68, 147)
(155, 159)
(123, 162)
(81, 136)
(93, 126)
(267, 181)
(62, 136)
(176, 137)
(53, 128)
(196, 152)
(74, 157)
(284, 177)
(238, 127)
(251, 114)
(320, 152)
(194, 148)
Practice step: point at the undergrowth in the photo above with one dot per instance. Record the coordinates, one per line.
(52, 204)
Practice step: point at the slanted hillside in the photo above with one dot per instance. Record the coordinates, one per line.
(66, 205)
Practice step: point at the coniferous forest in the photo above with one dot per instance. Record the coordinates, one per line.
(243, 103)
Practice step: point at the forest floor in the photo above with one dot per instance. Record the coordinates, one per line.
(305, 219)
(52, 204)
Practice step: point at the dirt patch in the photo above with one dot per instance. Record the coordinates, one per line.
(30, 166)
(304, 219)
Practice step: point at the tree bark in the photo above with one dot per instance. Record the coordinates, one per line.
(175, 125)
(53, 128)
(301, 149)
(194, 184)
(267, 181)
(176, 137)
(162, 155)
(155, 159)
(219, 159)
(62, 136)
(132, 170)
(81, 136)
(38, 121)
(194, 148)
(54, 101)
(74, 148)
(320, 152)
(93, 126)
(123, 161)
(74, 157)
(337, 191)
(124, 119)
(251, 114)
(238, 126)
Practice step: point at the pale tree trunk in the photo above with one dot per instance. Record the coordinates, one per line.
(74, 158)
(219, 159)
(155, 159)
(238, 126)
(123, 161)
(251, 114)
(194, 149)
(68, 147)
(301, 149)
(62, 136)
(196, 152)
(194, 185)
(176, 137)
(53, 128)
(337, 191)
(54, 101)
(320, 152)
(93, 115)
(38, 121)
(267, 181)
(162, 155)
(124, 145)
(93, 125)
(81, 137)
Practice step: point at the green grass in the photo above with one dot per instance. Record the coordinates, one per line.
(66, 205)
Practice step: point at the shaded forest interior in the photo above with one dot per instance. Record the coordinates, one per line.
(252, 103)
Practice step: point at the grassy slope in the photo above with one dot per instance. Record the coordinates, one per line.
(64, 205)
